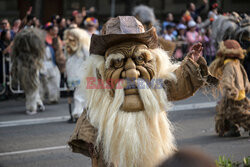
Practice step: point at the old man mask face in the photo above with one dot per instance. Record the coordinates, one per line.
(71, 44)
(129, 62)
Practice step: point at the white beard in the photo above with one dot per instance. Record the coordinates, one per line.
(139, 139)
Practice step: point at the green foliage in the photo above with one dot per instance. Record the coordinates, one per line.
(227, 162)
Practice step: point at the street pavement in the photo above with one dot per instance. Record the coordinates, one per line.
(41, 140)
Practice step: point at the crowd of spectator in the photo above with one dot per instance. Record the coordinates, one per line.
(191, 29)
(53, 32)
(54, 28)
(188, 30)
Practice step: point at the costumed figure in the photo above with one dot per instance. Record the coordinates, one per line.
(146, 16)
(77, 42)
(231, 26)
(50, 74)
(127, 85)
(27, 56)
(233, 111)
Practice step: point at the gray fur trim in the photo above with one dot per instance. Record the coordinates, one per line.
(146, 15)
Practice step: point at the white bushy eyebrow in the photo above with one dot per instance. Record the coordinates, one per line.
(140, 51)
(115, 56)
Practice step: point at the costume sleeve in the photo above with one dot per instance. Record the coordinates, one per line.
(228, 82)
(190, 76)
(83, 137)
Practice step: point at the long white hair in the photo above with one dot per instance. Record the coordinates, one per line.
(140, 138)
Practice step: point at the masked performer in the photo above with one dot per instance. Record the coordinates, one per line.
(128, 84)
(77, 43)
(50, 74)
(233, 111)
(28, 54)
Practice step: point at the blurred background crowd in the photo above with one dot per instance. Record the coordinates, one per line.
(189, 26)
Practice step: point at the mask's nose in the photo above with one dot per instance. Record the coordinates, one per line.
(130, 70)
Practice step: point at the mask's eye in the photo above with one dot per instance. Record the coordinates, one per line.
(140, 59)
(118, 63)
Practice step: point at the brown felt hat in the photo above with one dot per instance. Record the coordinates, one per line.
(231, 49)
(122, 29)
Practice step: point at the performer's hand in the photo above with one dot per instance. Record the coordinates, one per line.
(196, 51)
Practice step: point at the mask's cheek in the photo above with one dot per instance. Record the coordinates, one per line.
(150, 67)
(144, 74)
(112, 77)
(73, 43)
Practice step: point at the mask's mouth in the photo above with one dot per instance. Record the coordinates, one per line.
(131, 92)
(71, 48)
(132, 100)
(131, 89)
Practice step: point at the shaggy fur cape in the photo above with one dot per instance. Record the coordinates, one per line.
(27, 55)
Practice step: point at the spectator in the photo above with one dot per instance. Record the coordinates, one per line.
(5, 25)
(91, 25)
(192, 13)
(209, 47)
(77, 18)
(37, 23)
(5, 46)
(169, 20)
(61, 22)
(181, 44)
(54, 19)
(69, 21)
(169, 34)
(181, 32)
(192, 34)
(5, 41)
(30, 21)
(204, 24)
(213, 13)
(16, 25)
(52, 32)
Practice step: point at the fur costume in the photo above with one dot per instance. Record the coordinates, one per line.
(232, 26)
(234, 108)
(28, 53)
(77, 43)
(125, 123)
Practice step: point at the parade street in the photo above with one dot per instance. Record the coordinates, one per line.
(41, 140)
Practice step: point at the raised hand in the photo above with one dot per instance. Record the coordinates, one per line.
(29, 11)
(196, 51)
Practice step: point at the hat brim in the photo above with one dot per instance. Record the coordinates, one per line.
(100, 43)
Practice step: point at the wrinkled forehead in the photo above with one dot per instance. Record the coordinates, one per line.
(70, 35)
(126, 49)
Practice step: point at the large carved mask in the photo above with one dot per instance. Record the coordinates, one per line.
(129, 62)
